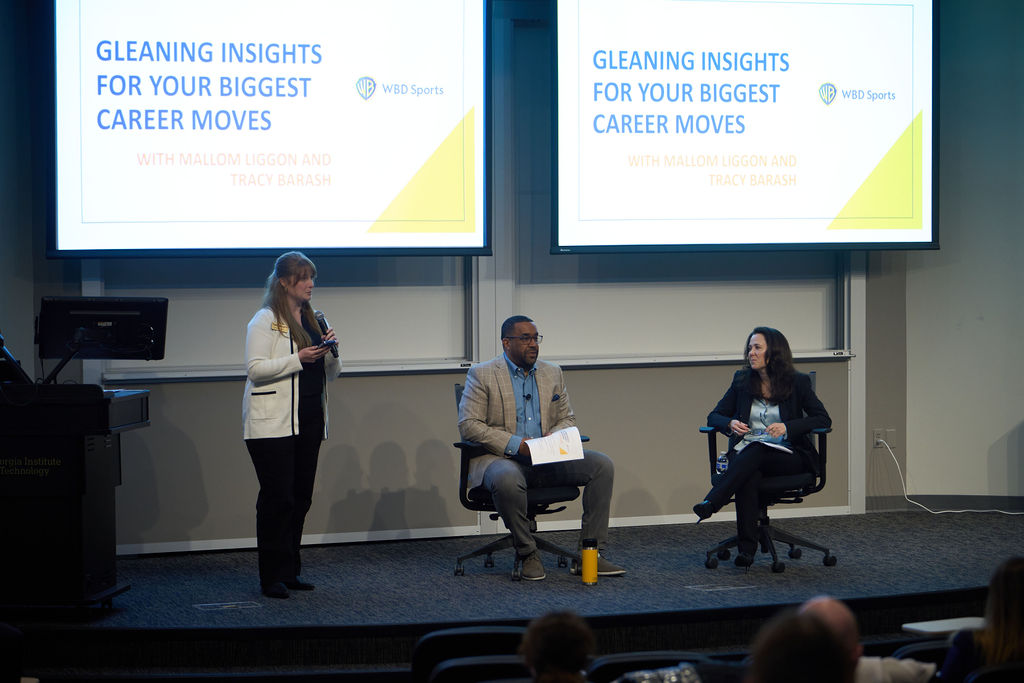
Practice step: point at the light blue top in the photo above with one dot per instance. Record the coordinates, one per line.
(762, 414)
(524, 386)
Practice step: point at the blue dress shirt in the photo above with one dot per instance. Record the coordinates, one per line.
(524, 386)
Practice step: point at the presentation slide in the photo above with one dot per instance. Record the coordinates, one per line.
(261, 124)
(684, 123)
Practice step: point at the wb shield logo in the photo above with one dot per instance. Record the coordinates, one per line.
(365, 86)
(827, 93)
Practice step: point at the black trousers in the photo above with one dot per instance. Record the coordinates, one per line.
(741, 480)
(286, 469)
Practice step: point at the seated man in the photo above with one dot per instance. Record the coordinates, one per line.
(838, 617)
(508, 400)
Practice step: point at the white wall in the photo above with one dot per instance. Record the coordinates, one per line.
(965, 371)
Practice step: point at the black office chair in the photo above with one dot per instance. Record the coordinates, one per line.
(929, 651)
(607, 668)
(479, 668)
(773, 490)
(453, 643)
(538, 502)
(1009, 672)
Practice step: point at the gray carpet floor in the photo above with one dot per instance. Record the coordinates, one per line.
(413, 582)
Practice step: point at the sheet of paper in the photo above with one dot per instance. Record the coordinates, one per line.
(565, 444)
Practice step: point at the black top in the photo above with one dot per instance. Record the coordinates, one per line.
(311, 379)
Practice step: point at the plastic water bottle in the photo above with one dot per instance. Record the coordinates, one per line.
(722, 463)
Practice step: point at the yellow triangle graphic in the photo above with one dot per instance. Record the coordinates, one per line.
(562, 451)
(440, 197)
(890, 197)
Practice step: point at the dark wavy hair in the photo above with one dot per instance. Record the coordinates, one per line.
(778, 365)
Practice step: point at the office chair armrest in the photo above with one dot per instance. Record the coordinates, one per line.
(712, 435)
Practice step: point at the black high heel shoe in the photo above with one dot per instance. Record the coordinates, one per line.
(703, 511)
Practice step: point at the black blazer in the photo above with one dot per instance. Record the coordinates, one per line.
(801, 413)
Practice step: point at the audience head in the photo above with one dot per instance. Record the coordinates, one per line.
(557, 647)
(840, 620)
(798, 648)
(1002, 638)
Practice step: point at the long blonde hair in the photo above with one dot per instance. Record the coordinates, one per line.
(1002, 637)
(290, 267)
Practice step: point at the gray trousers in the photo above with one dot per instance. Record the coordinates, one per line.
(508, 480)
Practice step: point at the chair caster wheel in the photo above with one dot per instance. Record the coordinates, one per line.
(712, 562)
(778, 567)
(795, 553)
(575, 569)
(489, 561)
(460, 570)
(562, 562)
(724, 554)
(829, 561)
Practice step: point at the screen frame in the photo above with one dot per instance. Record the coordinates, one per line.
(44, 19)
(559, 249)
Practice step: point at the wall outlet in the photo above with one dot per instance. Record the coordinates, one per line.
(877, 435)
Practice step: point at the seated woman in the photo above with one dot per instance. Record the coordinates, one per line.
(768, 412)
(1002, 638)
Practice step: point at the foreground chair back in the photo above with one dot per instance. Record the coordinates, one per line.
(933, 651)
(607, 668)
(539, 501)
(479, 668)
(453, 643)
(1010, 672)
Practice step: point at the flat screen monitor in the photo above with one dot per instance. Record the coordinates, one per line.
(11, 371)
(115, 328)
(713, 124)
(252, 127)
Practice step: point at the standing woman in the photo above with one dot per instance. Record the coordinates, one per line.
(768, 412)
(284, 415)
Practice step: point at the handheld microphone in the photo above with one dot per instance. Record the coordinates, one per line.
(322, 322)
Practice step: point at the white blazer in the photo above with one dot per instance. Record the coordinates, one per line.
(270, 405)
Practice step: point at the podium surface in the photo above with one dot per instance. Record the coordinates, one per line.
(60, 461)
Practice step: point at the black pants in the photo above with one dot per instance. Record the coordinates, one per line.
(742, 479)
(286, 469)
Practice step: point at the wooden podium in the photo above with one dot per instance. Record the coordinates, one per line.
(60, 460)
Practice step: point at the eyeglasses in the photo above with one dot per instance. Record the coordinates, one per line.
(527, 338)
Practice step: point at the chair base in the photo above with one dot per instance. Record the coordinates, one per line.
(506, 542)
(767, 536)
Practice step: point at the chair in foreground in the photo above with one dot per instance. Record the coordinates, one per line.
(931, 651)
(538, 502)
(607, 668)
(479, 668)
(773, 490)
(1008, 672)
(453, 643)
